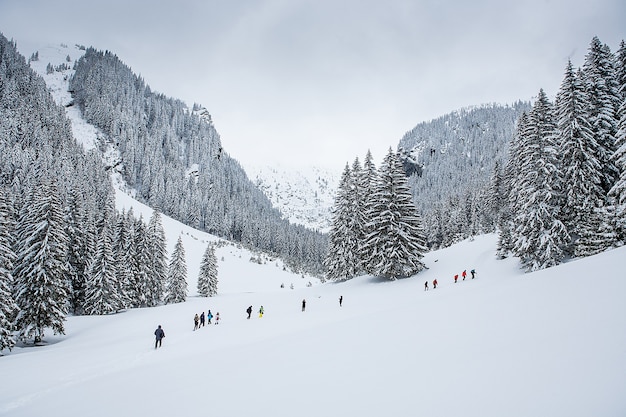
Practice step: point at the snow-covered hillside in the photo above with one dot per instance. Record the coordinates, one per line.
(305, 195)
(550, 343)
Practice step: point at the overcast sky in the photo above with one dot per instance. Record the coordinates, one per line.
(321, 82)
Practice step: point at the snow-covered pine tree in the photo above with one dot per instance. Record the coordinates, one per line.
(602, 89)
(370, 178)
(41, 287)
(207, 277)
(509, 190)
(123, 254)
(8, 308)
(141, 269)
(358, 219)
(176, 288)
(539, 235)
(78, 255)
(397, 242)
(618, 192)
(579, 150)
(103, 290)
(342, 259)
(158, 258)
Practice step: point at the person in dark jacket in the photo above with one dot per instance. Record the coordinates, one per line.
(340, 300)
(303, 304)
(249, 311)
(160, 334)
(202, 319)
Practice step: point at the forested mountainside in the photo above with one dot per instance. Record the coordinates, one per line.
(173, 158)
(450, 161)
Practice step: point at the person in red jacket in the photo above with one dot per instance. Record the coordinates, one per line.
(464, 275)
(456, 277)
(435, 283)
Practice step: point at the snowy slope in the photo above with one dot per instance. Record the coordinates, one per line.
(550, 343)
(305, 195)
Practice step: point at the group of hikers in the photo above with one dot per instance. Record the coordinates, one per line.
(199, 321)
(456, 278)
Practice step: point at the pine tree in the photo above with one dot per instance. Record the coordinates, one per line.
(510, 190)
(158, 258)
(41, 288)
(123, 253)
(397, 242)
(176, 288)
(582, 170)
(618, 192)
(539, 235)
(369, 181)
(140, 267)
(207, 278)
(8, 308)
(342, 260)
(75, 226)
(604, 101)
(103, 289)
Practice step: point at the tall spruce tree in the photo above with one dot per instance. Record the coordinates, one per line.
(618, 192)
(539, 235)
(509, 190)
(604, 100)
(579, 150)
(8, 308)
(342, 261)
(103, 289)
(41, 286)
(207, 277)
(176, 288)
(157, 253)
(141, 270)
(397, 240)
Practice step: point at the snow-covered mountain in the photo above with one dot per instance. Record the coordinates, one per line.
(305, 195)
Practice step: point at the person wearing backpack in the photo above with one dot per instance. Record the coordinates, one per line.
(249, 311)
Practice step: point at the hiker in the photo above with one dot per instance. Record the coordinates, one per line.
(249, 311)
(160, 334)
(209, 316)
(435, 283)
(464, 274)
(426, 286)
(261, 311)
(473, 273)
(456, 277)
(196, 321)
(217, 318)
(202, 319)
(340, 300)
(303, 304)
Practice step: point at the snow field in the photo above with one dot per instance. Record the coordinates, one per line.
(507, 343)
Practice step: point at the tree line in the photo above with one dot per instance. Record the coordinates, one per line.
(562, 192)
(64, 249)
